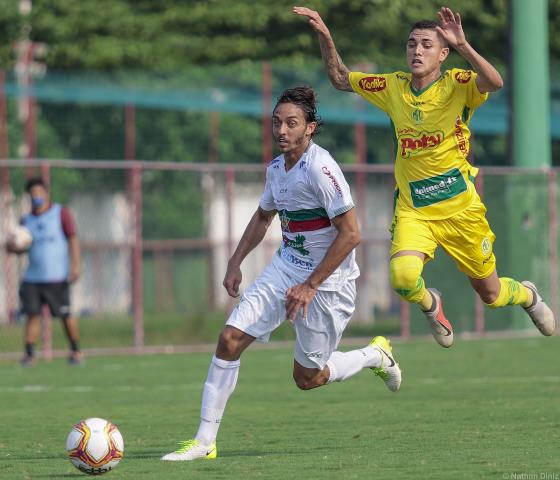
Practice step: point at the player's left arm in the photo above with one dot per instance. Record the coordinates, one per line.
(75, 254)
(69, 228)
(300, 296)
(488, 78)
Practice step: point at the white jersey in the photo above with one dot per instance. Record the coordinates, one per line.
(307, 197)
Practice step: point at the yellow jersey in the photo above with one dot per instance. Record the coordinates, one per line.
(434, 177)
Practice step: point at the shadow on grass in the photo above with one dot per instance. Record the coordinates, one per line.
(58, 475)
(27, 458)
(257, 453)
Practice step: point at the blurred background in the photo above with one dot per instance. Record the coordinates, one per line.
(151, 120)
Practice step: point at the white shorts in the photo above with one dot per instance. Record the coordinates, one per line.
(262, 309)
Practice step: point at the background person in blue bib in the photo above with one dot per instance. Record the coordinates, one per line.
(54, 263)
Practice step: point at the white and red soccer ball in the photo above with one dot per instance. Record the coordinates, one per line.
(95, 446)
(20, 237)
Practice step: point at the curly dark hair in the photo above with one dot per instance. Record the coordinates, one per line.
(304, 97)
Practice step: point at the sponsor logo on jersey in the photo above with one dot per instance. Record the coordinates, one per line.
(402, 131)
(461, 140)
(436, 189)
(297, 244)
(463, 76)
(401, 76)
(333, 180)
(411, 145)
(373, 84)
(298, 262)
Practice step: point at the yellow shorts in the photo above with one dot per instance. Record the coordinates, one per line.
(466, 237)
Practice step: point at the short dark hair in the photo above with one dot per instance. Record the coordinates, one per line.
(429, 25)
(33, 182)
(304, 97)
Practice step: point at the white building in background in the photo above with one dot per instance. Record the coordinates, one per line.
(105, 229)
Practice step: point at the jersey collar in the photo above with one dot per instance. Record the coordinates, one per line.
(417, 93)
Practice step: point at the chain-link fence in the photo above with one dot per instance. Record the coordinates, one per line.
(156, 237)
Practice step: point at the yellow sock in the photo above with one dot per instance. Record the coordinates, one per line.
(512, 293)
(427, 301)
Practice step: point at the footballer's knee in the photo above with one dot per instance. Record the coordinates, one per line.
(488, 294)
(308, 378)
(305, 383)
(231, 343)
(405, 275)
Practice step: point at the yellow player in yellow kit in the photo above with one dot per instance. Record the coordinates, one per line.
(436, 201)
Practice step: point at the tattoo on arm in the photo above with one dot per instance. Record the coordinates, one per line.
(336, 70)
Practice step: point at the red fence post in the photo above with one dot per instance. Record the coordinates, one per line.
(267, 105)
(137, 253)
(479, 318)
(214, 137)
(405, 320)
(361, 200)
(130, 132)
(230, 180)
(135, 195)
(6, 202)
(46, 317)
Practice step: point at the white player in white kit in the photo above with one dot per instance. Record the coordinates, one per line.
(310, 281)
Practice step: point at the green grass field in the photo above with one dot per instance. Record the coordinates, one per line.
(483, 409)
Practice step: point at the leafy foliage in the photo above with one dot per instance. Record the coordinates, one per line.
(177, 39)
(169, 35)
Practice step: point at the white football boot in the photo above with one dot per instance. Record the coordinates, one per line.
(192, 450)
(540, 313)
(389, 370)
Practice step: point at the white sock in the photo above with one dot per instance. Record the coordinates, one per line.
(343, 365)
(220, 384)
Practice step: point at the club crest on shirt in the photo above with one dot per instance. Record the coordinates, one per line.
(284, 222)
(417, 116)
(486, 246)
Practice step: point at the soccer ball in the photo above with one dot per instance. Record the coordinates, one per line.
(20, 237)
(95, 446)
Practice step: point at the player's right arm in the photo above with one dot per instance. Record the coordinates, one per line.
(252, 236)
(336, 70)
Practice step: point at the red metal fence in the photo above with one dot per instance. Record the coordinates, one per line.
(156, 237)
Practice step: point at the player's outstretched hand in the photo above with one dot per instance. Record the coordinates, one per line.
(298, 297)
(315, 19)
(451, 28)
(232, 280)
